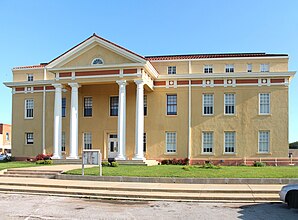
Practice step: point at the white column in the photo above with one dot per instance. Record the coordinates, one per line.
(139, 154)
(57, 121)
(121, 120)
(73, 151)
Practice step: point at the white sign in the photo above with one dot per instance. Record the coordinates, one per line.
(91, 157)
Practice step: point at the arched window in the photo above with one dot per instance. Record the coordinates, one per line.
(97, 61)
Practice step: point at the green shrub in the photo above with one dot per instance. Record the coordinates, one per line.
(105, 163)
(114, 164)
(186, 168)
(209, 165)
(48, 162)
(259, 164)
(40, 162)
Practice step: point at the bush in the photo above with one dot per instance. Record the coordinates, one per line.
(39, 162)
(209, 165)
(186, 168)
(43, 157)
(105, 163)
(259, 164)
(46, 162)
(114, 164)
(184, 161)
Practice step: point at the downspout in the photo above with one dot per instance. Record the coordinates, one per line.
(43, 113)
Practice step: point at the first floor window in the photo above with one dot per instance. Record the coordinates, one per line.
(264, 67)
(229, 68)
(208, 104)
(87, 140)
(29, 138)
(208, 69)
(171, 104)
(145, 105)
(230, 139)
(264, 140)
(229, 104)
(87, 106)
(114, 102)
(208, 142)
(171, 69)
(63, 142)
(144, 142)
(63, 107)
(264, 101)
(29, 107)
(171, 142)
(7, 136)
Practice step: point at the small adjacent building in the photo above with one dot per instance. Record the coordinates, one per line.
(5, 138)
(99, 95)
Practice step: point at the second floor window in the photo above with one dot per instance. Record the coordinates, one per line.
(264, 101)
(29, 107)
(171, 69)
(229, 104)
(208, 104)
(229, 68)
(87, 106)
(30, 77)
(208, 69)
(114, 102)
(63, 107)
(171, 104)
(264, 67)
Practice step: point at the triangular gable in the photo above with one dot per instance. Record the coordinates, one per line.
(95, 39)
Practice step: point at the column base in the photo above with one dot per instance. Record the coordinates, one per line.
(72, 158)
(120, 157)
(56, 157)
(139, 157)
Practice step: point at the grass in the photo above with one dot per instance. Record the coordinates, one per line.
(16, 164)
(194, 171)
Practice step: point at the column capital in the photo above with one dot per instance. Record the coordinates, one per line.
(121, 82)
(139, 81)
(57, 85)
(74, 85)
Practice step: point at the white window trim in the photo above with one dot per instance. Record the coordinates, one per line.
(202, 143)
(26, 143)
(25, 110)
(261, 67)
(269, 104)
(230, 66)
(84, 107)
(208, 66)
(166, 147)
(249, 64)
(167, 104)
(110, 106)
(172, 71)
(233, 114)
(30, 75)
(269, 136)
(203, 104)
(235, 143)
(87, 132)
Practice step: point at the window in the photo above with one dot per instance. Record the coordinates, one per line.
(7, 136)
(208, 69)
(171, 104)
(87, 140)
(29, 106)
(264, 67)
(114, 106)
(30, 77)
(29, 138)
(97, 61)
(208, 104)
(208, 142)
(230, 142)
(63, 142)
(63, 107)
(171, 69)
(171, 142)
(145, 105)
(264, 103)
(87, 106)
(249, 68)
(144, 142)
(229, 68)
(229, 104)
(264, 137)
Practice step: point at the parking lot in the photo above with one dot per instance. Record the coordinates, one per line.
(21, 206)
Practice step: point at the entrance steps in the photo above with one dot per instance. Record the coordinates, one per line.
(67, 161)
(137, 162)
(48, 174)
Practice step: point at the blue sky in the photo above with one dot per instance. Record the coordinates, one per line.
(37, 31)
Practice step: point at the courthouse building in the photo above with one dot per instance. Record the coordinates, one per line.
(99, 95)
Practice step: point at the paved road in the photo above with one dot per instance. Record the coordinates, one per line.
(21, 206)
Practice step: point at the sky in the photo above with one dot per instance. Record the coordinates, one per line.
(36, 31)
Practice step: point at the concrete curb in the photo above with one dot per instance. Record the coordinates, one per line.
(180, 180)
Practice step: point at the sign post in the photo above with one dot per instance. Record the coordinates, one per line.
(91, 157)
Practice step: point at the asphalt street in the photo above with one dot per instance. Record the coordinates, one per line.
(22, 206)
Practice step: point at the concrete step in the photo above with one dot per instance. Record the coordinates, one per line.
(34, 170)
(31, 172)
(138, 162)
(47, 176)
(66, 161)
(140, 195)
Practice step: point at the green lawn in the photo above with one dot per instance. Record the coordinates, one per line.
(195, 171)
(16, 164)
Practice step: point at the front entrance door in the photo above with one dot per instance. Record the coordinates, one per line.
(112, 145)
